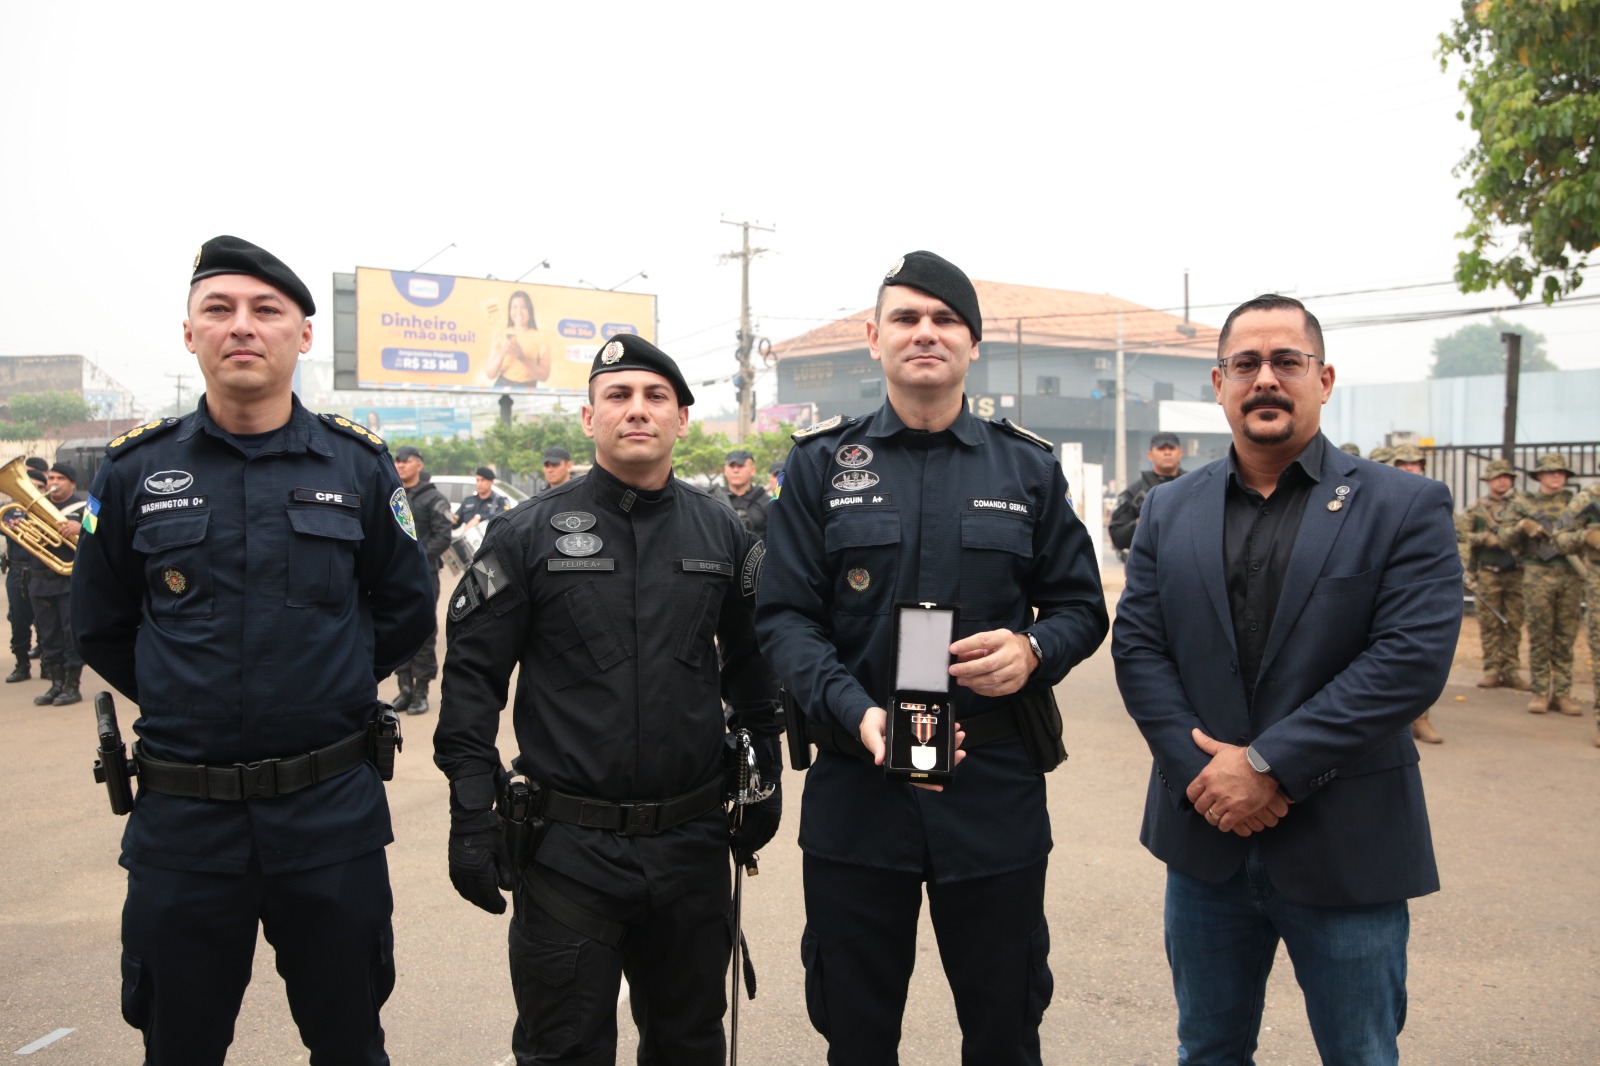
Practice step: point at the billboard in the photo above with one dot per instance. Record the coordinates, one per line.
(429, 422)
(439, 333)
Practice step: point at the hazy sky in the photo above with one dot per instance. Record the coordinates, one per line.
(1305, 148)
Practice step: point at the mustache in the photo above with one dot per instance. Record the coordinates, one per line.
(1267, 399)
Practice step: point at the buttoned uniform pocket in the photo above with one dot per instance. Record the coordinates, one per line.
(995, 552)
(701, 607)
(177, 564)
(322, 556)
(590, 643)
(864, 552)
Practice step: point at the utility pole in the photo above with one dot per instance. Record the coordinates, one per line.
(1508, 433)
(1122, 414)
(178, 378)
(746, 379)
(1019, 371)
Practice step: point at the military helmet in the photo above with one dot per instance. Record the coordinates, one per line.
(1351, 448)
(1498, 468)
(1551, 461)
(1407, 453)
(1381, 454)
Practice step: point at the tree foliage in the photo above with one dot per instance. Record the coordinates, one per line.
(1477, 349)
(37, 415)
(1532, 83)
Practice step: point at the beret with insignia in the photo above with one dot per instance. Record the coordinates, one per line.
(232, 255)
(943, 280)
(628, 351)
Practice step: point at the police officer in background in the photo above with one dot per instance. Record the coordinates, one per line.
(60, 661)
(19, 609)
(1165, 456)
(484, 503)
(625, 597)
(742, 493)
(557, 465)
(431, 512)
(921, 501)
(247, 575)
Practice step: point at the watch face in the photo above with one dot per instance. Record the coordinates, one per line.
(1256, 761)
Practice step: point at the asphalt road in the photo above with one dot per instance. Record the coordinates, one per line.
(1504, 962)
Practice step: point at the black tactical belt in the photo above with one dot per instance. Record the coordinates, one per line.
(256, 780)
(631, 819)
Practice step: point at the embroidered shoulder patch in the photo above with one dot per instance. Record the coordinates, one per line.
(1026, 434)
(139, 434)
(821, 427)
(356, 430)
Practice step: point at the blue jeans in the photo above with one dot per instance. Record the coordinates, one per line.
(1350, 963)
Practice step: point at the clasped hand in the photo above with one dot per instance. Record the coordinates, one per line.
(1231, 794)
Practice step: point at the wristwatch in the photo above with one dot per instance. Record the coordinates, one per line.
(1033, 642)
(1257, 763)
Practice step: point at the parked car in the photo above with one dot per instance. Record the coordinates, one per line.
(457, 487)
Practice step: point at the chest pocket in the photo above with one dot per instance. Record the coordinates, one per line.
(864, 551)
(322, 556)
(177, 565)
(995, 553)
(592, 643)
(702, 606)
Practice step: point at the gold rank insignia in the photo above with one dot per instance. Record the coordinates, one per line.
(820, 427)
(138, 431)
(356, 429)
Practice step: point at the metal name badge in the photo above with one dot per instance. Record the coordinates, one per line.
(579, 544)
(854, 480)
(573, 521)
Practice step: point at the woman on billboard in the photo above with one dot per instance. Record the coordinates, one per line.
(519, 355)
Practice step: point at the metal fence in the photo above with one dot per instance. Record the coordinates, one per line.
(1460, 466)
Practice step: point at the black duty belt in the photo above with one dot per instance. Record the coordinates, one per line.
(631, 819)
(254, 780)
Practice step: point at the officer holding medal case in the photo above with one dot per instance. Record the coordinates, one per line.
(920, 502)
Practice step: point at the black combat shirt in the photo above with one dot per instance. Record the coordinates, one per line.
(249, 604)
(874, 513)
(620, 692)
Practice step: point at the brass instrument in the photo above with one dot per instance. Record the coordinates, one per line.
(36, 526)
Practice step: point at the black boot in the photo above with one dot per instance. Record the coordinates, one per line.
(23, 671)
(402, 700)
(51, 672)
(418, 703)
(70, 676)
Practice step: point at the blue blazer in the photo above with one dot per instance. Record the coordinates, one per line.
(1361, 645)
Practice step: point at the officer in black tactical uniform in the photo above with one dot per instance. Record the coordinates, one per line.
(434, 519)
(1165, 455)
(246, 575)
(617, 594)
(921, 501)
(60, 661)
(742, 493)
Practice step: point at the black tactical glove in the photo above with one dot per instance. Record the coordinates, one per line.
(758, 824)
(479, 866)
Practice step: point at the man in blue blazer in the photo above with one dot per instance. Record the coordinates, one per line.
(1289, 610)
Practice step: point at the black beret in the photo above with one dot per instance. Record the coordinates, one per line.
(739, 456)
(1164, 440)
(943, 280)
(66, 470)
(36, 463)
(406, 451)
(230, 255)
(38, 477)
(557, 454)
(628, 351)
(485, 473)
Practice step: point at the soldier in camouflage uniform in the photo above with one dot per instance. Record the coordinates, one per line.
(1495, 578)
(1409, 457)
(1381, 454)
(1579, 537)
(1551, 587)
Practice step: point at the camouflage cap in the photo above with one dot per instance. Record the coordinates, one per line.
(1381, 454)
(1498, 468)
(1407, 453)
(1351, 448)
(1552, 461)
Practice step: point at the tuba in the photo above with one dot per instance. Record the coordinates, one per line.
(32, 520)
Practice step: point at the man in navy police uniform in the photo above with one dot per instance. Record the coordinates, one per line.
(922, 501)
(1289, 611)
(246, 575)
(625, 596)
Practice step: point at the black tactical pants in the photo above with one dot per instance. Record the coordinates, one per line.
(674, 955)
(53, 616)
(19, 609)
(188, 940)
(424, 666)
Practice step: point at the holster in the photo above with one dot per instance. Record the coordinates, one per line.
(383, 734)
(520, 820)
(1039, 725)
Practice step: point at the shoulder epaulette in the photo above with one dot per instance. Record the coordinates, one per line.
(360, 432)
(138, 434)
(1026, 434)
(819, 428)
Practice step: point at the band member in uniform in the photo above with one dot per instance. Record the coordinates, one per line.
(247, 575)
(922, 501)
(60, 661)
(625, 598)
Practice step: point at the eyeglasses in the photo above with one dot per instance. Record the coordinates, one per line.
(1284, 365)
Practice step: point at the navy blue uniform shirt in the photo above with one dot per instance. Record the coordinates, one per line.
(874, 513)
(248, 596)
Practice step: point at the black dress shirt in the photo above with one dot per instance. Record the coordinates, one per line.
(1257, 539)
